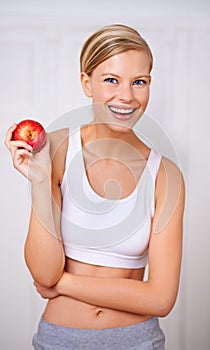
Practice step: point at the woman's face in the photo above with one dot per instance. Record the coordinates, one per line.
(119, 88)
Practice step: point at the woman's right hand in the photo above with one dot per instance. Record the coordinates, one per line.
(34, 166)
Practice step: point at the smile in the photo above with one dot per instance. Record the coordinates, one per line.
(122, 111)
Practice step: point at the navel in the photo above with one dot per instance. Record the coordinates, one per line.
(99, 312)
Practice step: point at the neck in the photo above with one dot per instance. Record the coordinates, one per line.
(103, 141)
(110, 131)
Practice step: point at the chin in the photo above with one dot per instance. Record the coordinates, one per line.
(119, 128)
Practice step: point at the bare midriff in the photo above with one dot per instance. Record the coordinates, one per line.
(69, 312)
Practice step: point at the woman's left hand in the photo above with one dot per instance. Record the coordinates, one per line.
(46, 293)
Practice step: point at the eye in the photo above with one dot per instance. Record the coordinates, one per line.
(111, 80)
(140, 82)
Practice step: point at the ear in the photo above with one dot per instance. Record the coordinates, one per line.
(150, 79)
(85, 81)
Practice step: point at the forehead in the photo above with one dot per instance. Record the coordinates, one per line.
(133, 61)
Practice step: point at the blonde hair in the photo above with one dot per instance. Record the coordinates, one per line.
(109, 41)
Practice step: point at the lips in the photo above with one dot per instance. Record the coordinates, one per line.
(122, 113)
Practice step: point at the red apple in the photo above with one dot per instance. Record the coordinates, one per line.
(31, 132)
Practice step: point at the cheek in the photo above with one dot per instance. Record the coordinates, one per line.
(143, 97)
(102, 94)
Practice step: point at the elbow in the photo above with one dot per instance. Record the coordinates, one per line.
(163, 312)
(164, 307)
(163, 300)
(48, 276)
(45, 273)
(46, 280)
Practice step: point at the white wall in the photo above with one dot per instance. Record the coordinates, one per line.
(39, 67)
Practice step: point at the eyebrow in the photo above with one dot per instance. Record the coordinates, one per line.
(117, 76)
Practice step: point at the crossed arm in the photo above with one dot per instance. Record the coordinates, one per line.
(157, 295)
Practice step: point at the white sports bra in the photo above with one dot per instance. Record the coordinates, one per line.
(101, 231)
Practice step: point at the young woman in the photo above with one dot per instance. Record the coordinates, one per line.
(104, 204)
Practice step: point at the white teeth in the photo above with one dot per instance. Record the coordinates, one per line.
(121, 110)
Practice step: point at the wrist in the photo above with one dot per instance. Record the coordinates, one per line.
(64, 284)
(41, 182)
(42, 188)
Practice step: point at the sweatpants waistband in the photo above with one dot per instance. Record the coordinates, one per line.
(146, 335)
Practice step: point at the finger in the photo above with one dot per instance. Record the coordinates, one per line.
(20, 144)
(8, 137)
(19, 157)
(15, 145)
(22, 153)
(12, 144)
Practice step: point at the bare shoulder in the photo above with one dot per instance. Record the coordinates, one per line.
(169, 174)
(169, 192)
(59, 141)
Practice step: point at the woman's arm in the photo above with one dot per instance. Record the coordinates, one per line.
(44, 253)
(157, 295)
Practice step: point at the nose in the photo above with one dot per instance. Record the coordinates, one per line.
(125, 93)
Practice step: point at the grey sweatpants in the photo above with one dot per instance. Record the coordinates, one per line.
(142, 336)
